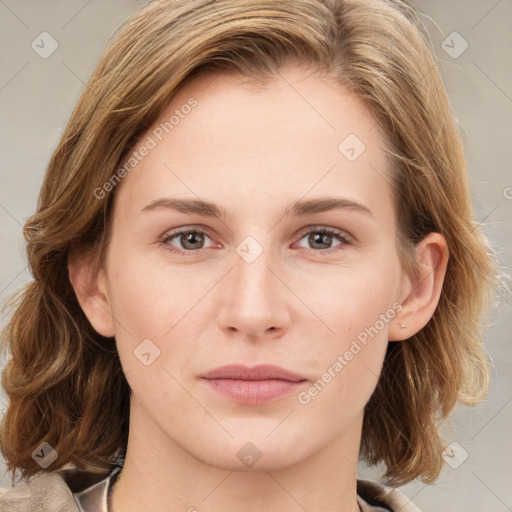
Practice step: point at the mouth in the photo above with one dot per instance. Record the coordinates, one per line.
(260, 384)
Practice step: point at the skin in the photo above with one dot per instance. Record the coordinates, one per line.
(254, 151)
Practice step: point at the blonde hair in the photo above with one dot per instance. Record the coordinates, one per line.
(65, 381)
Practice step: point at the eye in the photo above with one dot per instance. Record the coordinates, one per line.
(322, 237)
(190, 240)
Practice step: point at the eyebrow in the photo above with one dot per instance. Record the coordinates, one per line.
(299, 208)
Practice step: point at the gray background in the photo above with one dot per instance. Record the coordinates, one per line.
(36, 99)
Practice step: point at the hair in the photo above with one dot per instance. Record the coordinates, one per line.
(64, 381)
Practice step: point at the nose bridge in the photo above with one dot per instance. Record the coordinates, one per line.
(254, 301)
(252, 275)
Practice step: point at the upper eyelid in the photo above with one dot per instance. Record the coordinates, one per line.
(179, 231)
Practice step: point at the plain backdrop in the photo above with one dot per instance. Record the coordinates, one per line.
(472, 41)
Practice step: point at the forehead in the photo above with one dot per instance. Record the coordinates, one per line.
(298, 132)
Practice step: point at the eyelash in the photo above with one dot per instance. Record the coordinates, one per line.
(340, 235)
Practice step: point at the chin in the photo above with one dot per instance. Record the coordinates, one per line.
(253, 453)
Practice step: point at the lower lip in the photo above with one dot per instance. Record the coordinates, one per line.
(253, 391)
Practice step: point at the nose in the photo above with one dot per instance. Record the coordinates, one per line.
(255, 299)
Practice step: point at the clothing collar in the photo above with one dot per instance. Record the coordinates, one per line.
(96, 497)
(372, 496)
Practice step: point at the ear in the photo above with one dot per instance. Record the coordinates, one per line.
(91, 292)
(423, 291)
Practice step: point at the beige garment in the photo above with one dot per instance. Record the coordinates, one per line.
(76, 490)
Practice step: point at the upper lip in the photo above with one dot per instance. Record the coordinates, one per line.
(260, 372)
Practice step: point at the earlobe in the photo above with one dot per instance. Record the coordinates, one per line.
(424, 290)
(91, 292)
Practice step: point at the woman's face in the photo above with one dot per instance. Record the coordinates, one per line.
(255, 281)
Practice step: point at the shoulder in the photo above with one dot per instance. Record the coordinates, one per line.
(376, 494)
(45, 491)
(49, 491)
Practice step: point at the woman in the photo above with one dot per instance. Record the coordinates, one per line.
(255, 260)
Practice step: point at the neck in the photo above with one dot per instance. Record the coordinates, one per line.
(161, 476)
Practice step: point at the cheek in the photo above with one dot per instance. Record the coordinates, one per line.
(347, 365)
(149, 308)
(358, 307)
(147, 299)
(353, 299)
(341, 392)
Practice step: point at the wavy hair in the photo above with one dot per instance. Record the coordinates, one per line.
(64, 381)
